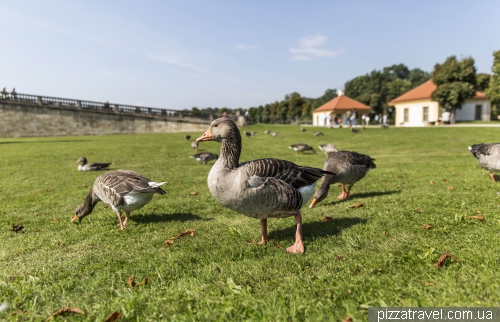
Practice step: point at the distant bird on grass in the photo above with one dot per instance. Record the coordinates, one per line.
(349, 168)
(275, 134)
(247, 134)
(260, 189)
(328, 148)
(267, 132)
(301, 148)
(354, 130)
(302, 129)
(93, 166)
(488, 156)
(318, 133)
(122, 190)
(194, 145)
(204, 157)
(187, 137)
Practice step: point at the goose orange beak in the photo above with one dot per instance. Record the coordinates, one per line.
(75, 219)
(313, 203)
(207, 136)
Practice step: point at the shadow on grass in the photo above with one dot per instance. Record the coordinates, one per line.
(362, 195)
(154, 218)
(318, 228)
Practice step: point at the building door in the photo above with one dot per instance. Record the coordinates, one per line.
(477, 114)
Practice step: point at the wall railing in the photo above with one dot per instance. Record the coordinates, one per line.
(111, 107)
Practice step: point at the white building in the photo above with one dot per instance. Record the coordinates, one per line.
(416, 107)
(338, 108)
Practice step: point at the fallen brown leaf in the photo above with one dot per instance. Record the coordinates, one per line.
(445, 180)
(340, 257)
(357, 205)
(188, 232)
(277, 244)
(35, 230)
(84, 185)
(349, 292)
(194, 193)
(37, 214)
(115, 316)
(418, 210)
(347, 319)
(54, 220)
(442, 259)
(398, 176)
(384, 233)
(169, 242)
(326, 219)
(451, 188)
(64, 311)
(432, 182)
(16, 228)
(427, 283)
(217, 269)
(132, 284)
(427, 226)
(49, 190)
(480, 218)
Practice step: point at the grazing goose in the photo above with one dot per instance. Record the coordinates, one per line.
(122, 190)
(350, 167)
(267, 132)
(488, 156)
(247, 134)
(275, 134)
(355, 131)
(187, 137)
(261, 189)
(93, 166)
(318, 133)
(328, 148)
(302, 129)
(254, 133)
(204, 157)
(194, 145)
(301, 147)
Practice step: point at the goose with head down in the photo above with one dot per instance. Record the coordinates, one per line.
(349, 168)
(122, 190)
(261, 189)
(488, 156)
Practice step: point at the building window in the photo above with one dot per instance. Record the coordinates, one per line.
(406, 115)
(425, 114)
(479, 109)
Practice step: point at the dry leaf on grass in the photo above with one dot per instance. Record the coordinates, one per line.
(398, 176)
(418, 210)
(194, 193)
(340, 257)
(188, 232)
(16, 228)
(427, 226)
(37, 214)
(169, 242)
(442, 259)
(54, 220)
(347, 319)
(105, 207)
(480, 218)
(427, 283)
(217, 269)
(432, 182)
(115, 316)
(64, 311)
(384, 233)
(445, 180)
(326, 218)
(277, 244)
(451, 188)
(132, 284)
(357, 205)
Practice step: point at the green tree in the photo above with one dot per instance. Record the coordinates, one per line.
(493, 91)
(482, 81)
(456, 82)
(397, 88)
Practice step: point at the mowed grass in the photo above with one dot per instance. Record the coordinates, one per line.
(375, 255)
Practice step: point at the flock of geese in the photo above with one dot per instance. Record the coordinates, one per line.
(261, 189)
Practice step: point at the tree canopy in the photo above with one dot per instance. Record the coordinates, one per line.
(456, 82)
(493, 90)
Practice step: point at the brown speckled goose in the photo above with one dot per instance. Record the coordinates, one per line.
(350, 167)
(328, 148)
(204, 157)
(301, 147)
(488, 156)
(93, 166)
(261, 189)
(122, 190)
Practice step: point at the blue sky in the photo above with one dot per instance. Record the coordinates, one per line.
(180, 54)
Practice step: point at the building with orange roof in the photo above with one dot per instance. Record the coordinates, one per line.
(416, 107)
(339, 107)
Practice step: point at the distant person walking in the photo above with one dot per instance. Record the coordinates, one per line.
(384, 119)
(14, 93)
(354, 117)
(4, 93)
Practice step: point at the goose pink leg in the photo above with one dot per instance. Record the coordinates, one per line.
(127, 214)
(298, 247)
(119, 215)
(265, 239)
(344, 194)
(492, 176)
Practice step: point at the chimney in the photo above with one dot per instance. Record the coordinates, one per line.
(340, 92)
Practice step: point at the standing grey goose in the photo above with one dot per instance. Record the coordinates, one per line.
(328, 148)
(301, 147)
(93, 166)
(488, 156)
(350, 167)
(204, 157)
(261, 189)
(122, 190)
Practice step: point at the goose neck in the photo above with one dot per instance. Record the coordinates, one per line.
(230, 153)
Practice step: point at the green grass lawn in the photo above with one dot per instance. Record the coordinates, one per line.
(376, 255)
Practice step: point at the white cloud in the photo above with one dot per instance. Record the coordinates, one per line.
(309, 48)
(176, 60)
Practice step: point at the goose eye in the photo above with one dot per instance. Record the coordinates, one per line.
(216, 125)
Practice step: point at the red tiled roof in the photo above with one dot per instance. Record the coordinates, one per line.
(342, 103)
(424, 92)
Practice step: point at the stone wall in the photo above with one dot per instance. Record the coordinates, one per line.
(28, 119)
